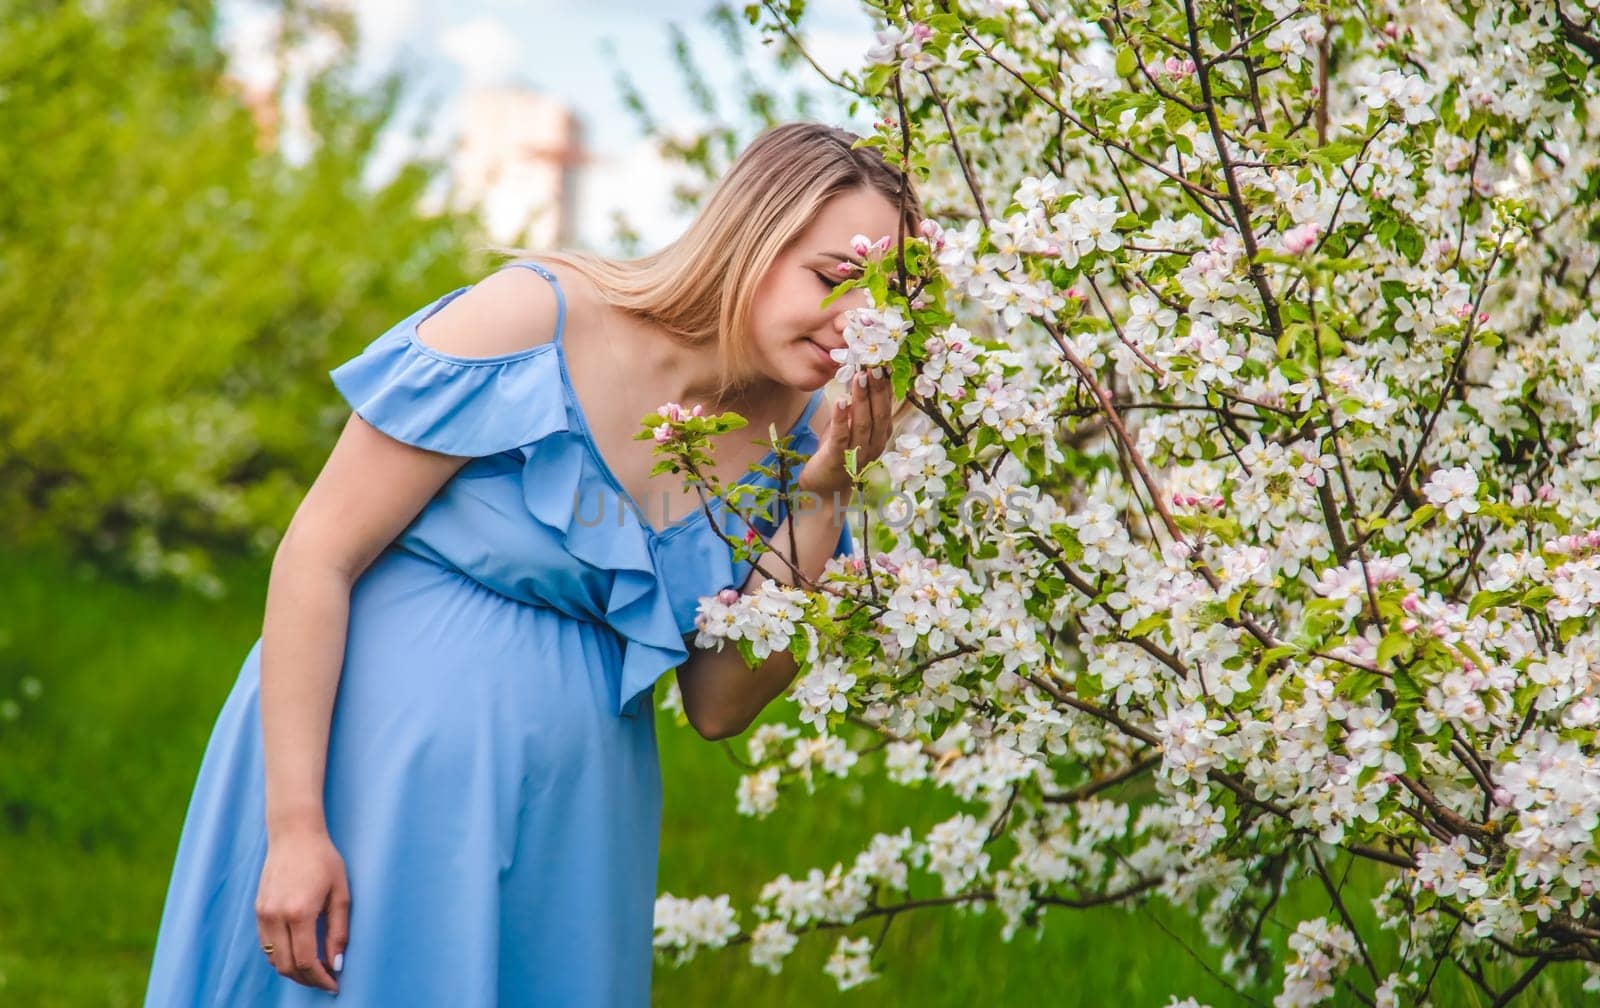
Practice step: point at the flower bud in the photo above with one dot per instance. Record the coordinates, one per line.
(1298, 240)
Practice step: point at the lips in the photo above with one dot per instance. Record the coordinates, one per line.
(823, 353)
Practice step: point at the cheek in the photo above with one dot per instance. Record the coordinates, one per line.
(800, 307)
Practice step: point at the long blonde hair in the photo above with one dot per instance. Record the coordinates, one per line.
(700, 288)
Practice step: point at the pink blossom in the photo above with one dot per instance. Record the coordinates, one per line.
(1297, 240)
(1178, 68)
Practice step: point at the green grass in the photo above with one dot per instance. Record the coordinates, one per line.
(95, 775)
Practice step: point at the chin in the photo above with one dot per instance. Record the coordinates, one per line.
(818, 363)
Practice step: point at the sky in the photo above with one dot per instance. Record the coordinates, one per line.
(559, 49)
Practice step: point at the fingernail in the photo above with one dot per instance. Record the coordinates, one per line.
(338, 962)
(861, 379)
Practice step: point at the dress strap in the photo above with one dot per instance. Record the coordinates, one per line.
(561, 299)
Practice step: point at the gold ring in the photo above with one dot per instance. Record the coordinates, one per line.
(267, 948)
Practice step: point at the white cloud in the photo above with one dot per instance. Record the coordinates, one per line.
(837, 49)
(247, 34)
(385, 27)
(483, 47)
(638, 182)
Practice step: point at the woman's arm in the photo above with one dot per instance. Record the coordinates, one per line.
(370, 489)
(721, 694)
(302, 651)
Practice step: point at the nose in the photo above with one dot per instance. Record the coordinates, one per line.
(841, 307)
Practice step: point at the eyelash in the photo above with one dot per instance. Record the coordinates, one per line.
(825, 281)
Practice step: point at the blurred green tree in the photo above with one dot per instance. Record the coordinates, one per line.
(174, 288)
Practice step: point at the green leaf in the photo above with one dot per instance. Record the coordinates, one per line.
(1148, 624)
(1487, 600)
(1408, 242)
(1393, 645)
(1127, 62)
(877, 78)
(1235, 603)
(1420, 516)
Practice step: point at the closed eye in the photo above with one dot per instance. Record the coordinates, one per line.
(826, 281)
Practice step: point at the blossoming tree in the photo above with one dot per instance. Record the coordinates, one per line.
(1244, 532)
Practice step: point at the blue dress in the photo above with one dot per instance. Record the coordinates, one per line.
(492, 778)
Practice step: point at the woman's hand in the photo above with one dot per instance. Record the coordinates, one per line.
(304, 877)
(860, 420)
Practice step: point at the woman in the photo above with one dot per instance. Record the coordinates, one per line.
(435, 781)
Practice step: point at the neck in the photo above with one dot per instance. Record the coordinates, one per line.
(690, 375)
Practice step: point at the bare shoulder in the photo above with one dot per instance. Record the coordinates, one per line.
(506, 312)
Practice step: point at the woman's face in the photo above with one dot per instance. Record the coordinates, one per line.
(792, 331)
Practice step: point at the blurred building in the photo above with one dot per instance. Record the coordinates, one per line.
(517, 159)
(263, 106)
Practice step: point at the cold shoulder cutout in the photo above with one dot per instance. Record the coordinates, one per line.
(469, 406)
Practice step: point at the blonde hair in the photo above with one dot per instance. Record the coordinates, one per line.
(700, 288)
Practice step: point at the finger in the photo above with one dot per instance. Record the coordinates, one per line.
(338, 924)
(839, 420)
(860, 412)
(308, 969)
(881, 387)
(275, 933)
